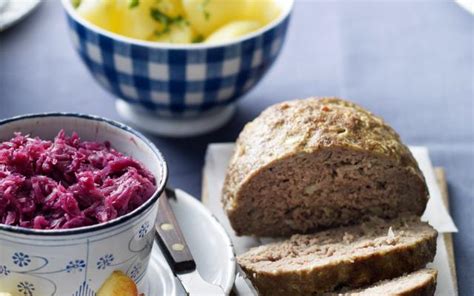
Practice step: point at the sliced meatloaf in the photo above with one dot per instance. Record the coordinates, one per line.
(351, 257)
(418, 283)
(308, 165)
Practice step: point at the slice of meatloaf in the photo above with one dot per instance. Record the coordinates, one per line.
(351, 257)
(418, 283)
(313, 164)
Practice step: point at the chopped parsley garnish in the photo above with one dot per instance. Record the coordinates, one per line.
(179, 20)
(166, 21)
(133, 3)
(76, 3)
(203, 8)
(162, 32)
(198, 39)
(159, 16)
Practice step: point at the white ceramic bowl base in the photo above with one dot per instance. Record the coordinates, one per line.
(175, 127)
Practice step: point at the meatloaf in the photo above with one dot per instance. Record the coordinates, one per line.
(313, 164)
(352, 257)
(418, 283)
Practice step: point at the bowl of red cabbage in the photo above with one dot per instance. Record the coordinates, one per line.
(78, 200)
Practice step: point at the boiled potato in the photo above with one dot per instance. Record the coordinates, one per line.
(172, 8)
(264, 11)
(179, 21)
(232, 31)
(132, 22)
(117, 16)
(171, 26)
(206, 16)
(99, 12)
(118, 284)
(178, 33)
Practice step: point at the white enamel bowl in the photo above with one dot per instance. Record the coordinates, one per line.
(77, 261)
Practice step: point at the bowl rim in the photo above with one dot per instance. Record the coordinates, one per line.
(70, 10)
(119, 220)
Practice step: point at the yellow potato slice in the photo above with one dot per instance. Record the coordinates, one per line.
(117, 16)
(264, 11)
(134, 22)
(206, 16)
(172, 8)
(180, 21)
(232, 31)
(118, 284)
(98, 12)
(178, 33)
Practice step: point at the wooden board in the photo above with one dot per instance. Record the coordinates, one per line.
(448, 238)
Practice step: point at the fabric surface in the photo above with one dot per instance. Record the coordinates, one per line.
(409, 61)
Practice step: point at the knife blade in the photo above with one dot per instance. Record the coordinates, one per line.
(248, 289)
(176, 251)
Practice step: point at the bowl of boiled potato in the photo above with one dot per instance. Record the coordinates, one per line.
(177, 67)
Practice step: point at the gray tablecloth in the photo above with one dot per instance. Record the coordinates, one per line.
(410, 62)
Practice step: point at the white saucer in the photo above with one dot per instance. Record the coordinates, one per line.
(12, 11)
(209, 243)
(172, 126)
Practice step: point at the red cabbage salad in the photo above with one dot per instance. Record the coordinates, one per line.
(68, 183)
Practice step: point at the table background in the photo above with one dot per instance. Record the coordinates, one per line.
(410, 62)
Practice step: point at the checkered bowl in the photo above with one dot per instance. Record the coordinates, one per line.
(177, 80)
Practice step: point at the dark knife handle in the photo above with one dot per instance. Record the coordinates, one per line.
(171, 239)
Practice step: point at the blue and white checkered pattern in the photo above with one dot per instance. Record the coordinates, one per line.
(177, 82)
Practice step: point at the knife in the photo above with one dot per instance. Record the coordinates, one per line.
(173, 246)
(243, 285)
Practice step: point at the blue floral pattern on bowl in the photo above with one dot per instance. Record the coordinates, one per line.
(143, 229)
(36, 271)
(76, 265)
(4, 270)
(105, 261)
(26, 288)
(21, 259)
(136, 270)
